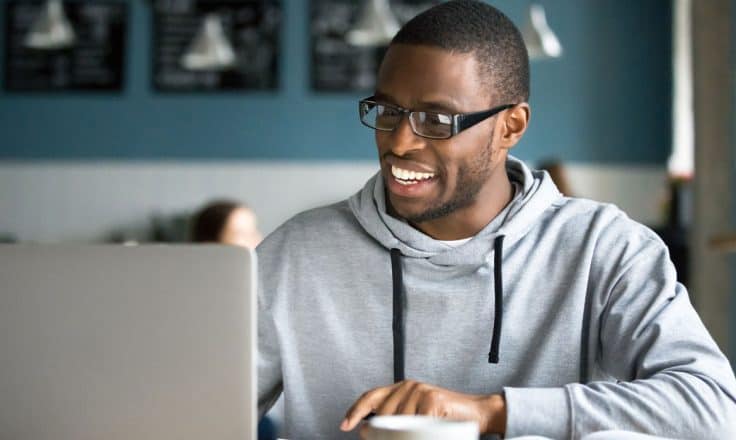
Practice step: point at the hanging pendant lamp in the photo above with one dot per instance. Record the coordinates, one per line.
(210, 50)
(376, 25)
(51, 29)
(541, 42)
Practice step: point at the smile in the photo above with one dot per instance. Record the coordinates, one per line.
(408, 177)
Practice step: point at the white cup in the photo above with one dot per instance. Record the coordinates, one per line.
(420, 428)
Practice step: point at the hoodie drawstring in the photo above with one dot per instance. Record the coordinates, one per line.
(498, 287)
(398, 320)
(397, 324)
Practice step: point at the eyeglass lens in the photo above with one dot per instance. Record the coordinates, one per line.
(387, 118)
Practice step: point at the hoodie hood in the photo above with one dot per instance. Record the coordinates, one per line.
(538, 193)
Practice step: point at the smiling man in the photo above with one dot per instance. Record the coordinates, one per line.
(459, 283)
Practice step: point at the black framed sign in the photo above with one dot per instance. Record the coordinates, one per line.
(216, 45)
(338, 66)
(65, 46)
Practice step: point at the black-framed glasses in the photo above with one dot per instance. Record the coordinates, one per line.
(432, 125)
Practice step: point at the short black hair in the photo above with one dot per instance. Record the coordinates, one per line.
(471, 26)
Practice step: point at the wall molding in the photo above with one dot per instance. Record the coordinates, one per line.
(85, 201)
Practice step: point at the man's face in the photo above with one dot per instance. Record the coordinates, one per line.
(432, 79)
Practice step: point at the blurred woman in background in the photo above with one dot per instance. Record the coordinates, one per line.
(231, 222)
(227, 222)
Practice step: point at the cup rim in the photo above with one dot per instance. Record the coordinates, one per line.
(419, 423)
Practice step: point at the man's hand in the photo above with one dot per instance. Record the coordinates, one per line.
(411, 397)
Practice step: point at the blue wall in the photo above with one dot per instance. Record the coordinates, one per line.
(606, 100)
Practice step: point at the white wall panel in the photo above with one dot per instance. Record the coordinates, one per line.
(85, 201)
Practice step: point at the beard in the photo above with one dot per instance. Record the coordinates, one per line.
(470, 181)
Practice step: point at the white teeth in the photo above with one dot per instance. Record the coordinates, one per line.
(403, 174)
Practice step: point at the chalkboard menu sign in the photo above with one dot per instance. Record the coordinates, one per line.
(55, 46)
(337, 65)
(216, 45)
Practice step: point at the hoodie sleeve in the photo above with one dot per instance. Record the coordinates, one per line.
(269, 361)
(270, 384)
(672, 380)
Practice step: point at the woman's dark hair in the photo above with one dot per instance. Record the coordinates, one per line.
(208, 222)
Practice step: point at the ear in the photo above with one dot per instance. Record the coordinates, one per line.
(514, 122)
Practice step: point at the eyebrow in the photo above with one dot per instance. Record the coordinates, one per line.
(431, 105)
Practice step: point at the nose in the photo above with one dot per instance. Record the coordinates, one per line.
(404, 140)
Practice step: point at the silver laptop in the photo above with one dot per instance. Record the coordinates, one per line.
(117, 342)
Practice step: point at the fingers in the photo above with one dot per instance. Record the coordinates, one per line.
(411, 397)
(366, 404)
(414, 398)
(397, 397)
(409, 405)
(401, 398)
(431, 404)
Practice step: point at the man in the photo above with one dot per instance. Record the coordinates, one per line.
(461, 284)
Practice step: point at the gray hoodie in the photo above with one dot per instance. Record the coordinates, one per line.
(593, 331)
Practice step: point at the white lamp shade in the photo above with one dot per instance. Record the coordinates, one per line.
(51, 29)
(210, 50)
(376, 25)
(541, 42)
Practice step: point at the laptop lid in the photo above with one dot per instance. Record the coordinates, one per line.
(118, 342)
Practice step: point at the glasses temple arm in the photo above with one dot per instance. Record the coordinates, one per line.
(467, 120)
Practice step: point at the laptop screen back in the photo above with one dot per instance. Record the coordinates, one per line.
(114, 342)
